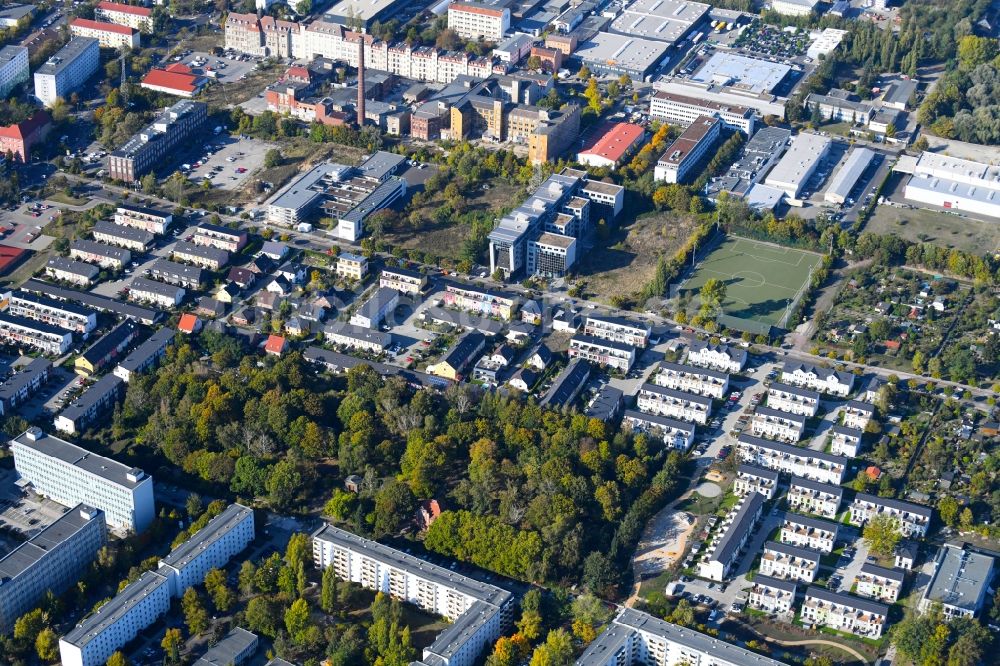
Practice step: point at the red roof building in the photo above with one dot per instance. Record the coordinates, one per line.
(109, 35)
(10, 257)
(189, 324)
(180, 83)
(297, 73)
(18, 139)
(427, 513)
(275, 345)
(178, 68)
(610, 144)
(140, 18)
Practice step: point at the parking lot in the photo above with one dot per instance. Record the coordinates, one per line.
(59, 391)
(222, 68)
(225, 162)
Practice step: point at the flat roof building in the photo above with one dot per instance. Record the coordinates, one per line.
(799, 164)
(67, 70)
(614, 54)
(759, 154)
(847, 177)
(234, 649)
(678, 163)
(96, 399)
(960, 582)
(667, 21)
(211, 547)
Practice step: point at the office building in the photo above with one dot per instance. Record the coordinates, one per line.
(131, 238)
(732, 537)
(94, 402)
(105, 256)
(45, 338)
(551, 255)
(49, 311)
(691, 379)
(617, 329)
(148, 219)
(13, 68)
(792, 399)
(844, 612)
(159, 293)
(839, 106)
(821, 499)
(674, 434)
(133, 16)
(772, 595)
(815, 378)
(211, 547)
(789, 562)
(636, 639)
(797, 167)
(52, 560)
(750, 479)
(778, 425)
(479, 612)
(684, 110)
(716, 356)
(71, 475)
(373, 312)
(955, 184)
(67, 70)
(808, 532)
(615, 355)
(687, 152)
(72, 271)
(479, 20)
(108, 35)
(849, 175)
(146, 355)
(150, 149)
(653, 399)
(914, 519)
(791, 459)
(960, 582)
(23, 383)
(879, 583)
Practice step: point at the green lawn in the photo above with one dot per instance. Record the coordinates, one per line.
(761, 279)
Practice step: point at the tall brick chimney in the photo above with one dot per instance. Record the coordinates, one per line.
(361, 80)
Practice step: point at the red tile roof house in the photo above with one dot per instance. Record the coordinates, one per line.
(176, 79)
(275, 345)
(427, 513)
(18, 139)
(189, 324)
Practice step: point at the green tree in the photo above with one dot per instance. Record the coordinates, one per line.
(195, 615)
(557, 650)
(247, 578)
(28, 626)
(966, 520)
(328, 590)
(284, 484)
(222, 596)
(881, 534)
(117, 659)
(47, 645)
(948, 508)
(297, 618)
(394, 506)
(260, 617)
(272, 158)
(171, 644)
(712, 295)
(298, 551)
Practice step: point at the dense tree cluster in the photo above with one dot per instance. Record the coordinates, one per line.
(965, 104)
(931, 639)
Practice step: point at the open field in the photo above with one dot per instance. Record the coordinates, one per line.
(625, 263)
(761, 279)
(928, 226)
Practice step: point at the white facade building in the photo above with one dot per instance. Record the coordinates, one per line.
(791, 459)
(47, 339)
(844, 612)
(845, 441)
(717, 357)
(914, 519)
(879, 583)
(653, 399)
(808, 532)
(210, 547)
(602, 352)
(813, 377)
(775, 424)
(71, 475)
(772, 595)
(67, 70)
(798, 165)
(684, 110)
(13, 68)
(960, 582)
(789, 562)
(734, 534)
(617, 329)
(857, 414)
(691, 379)
(821, 499)
(794, 7)
(675, 434)
(955, 184)
(750, 479)
(792, 399)
(62, 314)
(474, 20)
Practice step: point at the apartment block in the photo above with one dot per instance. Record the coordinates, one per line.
(108, 347)
(792, 399)
(791, 459)
(357, 337)
(857, 414)
(750, 479)
(844, 612)
(211, 547)
(158, 293)
(480, 301)
(675, 434)
(133, 16)
(54, 559)
(960, 582)
(772, 595)
(23, 383)
(105, 256)
(96, 400)
(789, 562)
(602, 352)
(146, 355)
(879, 583)
(72, 271)
(813, 377)
(181, 275)
(67, 70)
(223, 238)
(821, 499)
(148, 149)
(130, 237)
(13, 68)
(684, 110)
(682, 157)
(93, 301)
(475, 20)
(402, 280)
(207, 257)
(636, 639)
(691, 379)
(45, 338)
(717, 357)
(778, 425)
(109, 35)
(147, 219)
(617, 329)
(373, 312)
(846, 441)
(479, 612)
(734, 534)
(62, 314)
(914, 519)
(351, 266)
(117, 622)
(71, 475)
(808, 532)
(653, 399)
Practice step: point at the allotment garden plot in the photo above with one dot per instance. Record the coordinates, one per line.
(763, 281)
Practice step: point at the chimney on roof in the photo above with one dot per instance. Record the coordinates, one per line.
(361, 80)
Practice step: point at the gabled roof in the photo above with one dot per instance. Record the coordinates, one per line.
(125, 9)
(25, 128)
(275, 344)
(188, 323)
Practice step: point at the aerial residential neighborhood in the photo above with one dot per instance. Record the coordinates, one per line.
(500, 333)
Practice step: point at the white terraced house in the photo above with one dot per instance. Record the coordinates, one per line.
(691, 379)
(717, 357)
(45, 338)
(857, 414)
(808, 532)
(602, 352)
(816, 378)
(653, 399)
(675, 434)
(913, 518)
(791, 459)
(732, 536)
(821, 499)
(846, 441)
(775, 424)
(879, 583)
(62, 314)
(147, 219)
(789, 562)
(844, 612)
(617, 329)
(772, 595)
(750, 479)
(792, 399)
(402, 280)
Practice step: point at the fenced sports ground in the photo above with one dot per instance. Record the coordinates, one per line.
(763, 281)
